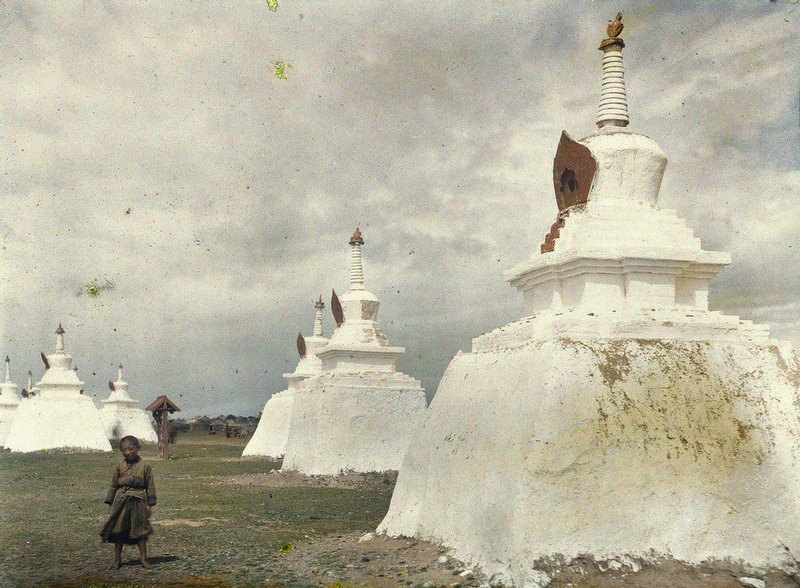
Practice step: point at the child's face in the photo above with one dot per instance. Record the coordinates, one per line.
(129, 451)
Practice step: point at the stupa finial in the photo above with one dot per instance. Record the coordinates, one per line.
(30, 377)
(8, 369)
(357, 239)
(119, 373)
(613, 110)
(356, 270)
(319, 305)
(615, 26)
(60, 339)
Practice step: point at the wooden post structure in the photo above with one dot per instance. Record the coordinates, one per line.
(161, 408)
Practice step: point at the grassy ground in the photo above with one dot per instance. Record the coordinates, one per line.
(223, 521)
(206, 528)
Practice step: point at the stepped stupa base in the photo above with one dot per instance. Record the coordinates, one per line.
(608, 447)
(69, 422)
(272, 432)
(361, 422)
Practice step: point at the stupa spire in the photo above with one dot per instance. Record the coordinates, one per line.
(356, 269)
(30, 376)
(8, 369)
(613, 110)
(60, 339)
(319, 305)
(119, 373)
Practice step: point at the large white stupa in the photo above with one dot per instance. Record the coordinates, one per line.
(58, 416)
(272, 433)
(9, 400)
(122, 417)
(620, 417)
(360, 413)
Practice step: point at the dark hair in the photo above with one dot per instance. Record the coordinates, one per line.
(129, 439)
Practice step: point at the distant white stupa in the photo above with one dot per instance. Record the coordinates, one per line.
(620, 417)
(360, 413)
(272, 432)
(58, 416)
(9, 400)
(121, 417)
(31, 390)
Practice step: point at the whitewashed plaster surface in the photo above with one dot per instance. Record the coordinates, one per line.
(621, 417)
(122, 417)
(272, 432)
(9, 400)
(609, 447)
(59, 416)
(360, 413)
(360, 422)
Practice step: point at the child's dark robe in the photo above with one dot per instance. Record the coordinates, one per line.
(132, 491)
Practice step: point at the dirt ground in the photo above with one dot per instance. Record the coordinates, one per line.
(226, 521)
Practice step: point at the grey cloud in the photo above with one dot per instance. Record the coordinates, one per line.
(432, 126)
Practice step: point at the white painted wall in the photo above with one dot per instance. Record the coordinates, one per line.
(68, 421)
(353, 422)
(59, 416)
(7, 413)
(125, 419)
(606, 447)
(272, 432)
(9, 400)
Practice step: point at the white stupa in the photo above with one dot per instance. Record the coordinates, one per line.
(58, 416)
(121, 416)
(31, 390)
(620, 417)
(360, 413)
(272, 433)
(9, 400)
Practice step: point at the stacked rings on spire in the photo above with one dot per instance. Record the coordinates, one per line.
(613, 99)
(356, 270)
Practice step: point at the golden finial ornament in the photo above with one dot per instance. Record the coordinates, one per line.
(615, 27)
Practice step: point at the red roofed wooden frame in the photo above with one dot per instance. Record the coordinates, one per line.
(162, 403)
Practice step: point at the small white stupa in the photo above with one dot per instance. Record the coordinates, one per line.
(360, 413)
(31, 390)
(121, 416)
(620, 417)
(272, 433)
(9, 400)
(58, 416)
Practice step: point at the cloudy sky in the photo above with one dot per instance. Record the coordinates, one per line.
(151, 146)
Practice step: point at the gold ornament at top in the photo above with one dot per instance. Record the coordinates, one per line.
(357, 239)
(615, 27)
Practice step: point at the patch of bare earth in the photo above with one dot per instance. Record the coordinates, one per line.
(294, 479)
(662, 573)
(376, 560)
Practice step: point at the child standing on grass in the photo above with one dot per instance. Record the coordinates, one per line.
(130, 498)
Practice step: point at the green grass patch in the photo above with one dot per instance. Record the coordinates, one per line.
(207, 529)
